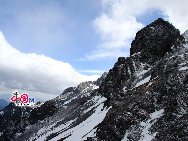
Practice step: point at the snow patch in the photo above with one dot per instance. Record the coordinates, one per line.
(145, 126)
(143, 72)
(129, 71)
(125, 137)
(95, 87)
(143, 81)
(98, 101)
(183, 68)
(150, 83)
(146, 135)
(135, 54)
(18, 134)
(80, 132)
(46, 131)
(1, 113)
(66, 102)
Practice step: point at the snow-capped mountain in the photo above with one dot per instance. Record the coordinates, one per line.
(143, 97)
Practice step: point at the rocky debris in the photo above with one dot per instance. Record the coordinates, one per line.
(13, 121)
(40, 113)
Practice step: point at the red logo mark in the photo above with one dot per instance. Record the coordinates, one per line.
(23, 98)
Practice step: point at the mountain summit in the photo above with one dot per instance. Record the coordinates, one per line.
(147, 49)
(143, 97)
(153, 41)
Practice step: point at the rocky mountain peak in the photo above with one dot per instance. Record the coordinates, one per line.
(185, 35)
(155, 40)
(143, 97)
(147, 49)
(99, 80)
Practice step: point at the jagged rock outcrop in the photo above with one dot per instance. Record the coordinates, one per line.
(150, 45)
(12, 121)
(185, 35)
(155, 40)
(143, 97)
(45, 110)
(154, 108)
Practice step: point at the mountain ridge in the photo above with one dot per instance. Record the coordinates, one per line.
(3, 103)
(144, 96)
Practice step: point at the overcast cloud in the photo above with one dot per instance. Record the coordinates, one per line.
(36, 74)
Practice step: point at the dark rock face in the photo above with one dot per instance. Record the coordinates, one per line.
(150, 45)
(68, 90)
(40, 113)
(155, 40)
(13, 120)
(112, 85)
(161, 88)
(99, 80)
(165, 90)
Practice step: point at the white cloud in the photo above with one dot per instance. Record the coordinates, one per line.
(117, 24)
(175, 12)
(93, 71)
(35, 73)
(105, 53)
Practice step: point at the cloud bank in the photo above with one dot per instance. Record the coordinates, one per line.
(39, 75)
(117, 24)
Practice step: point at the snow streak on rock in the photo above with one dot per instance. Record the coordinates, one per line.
(86, 128)
(146, 135)
(145, 126)
(143, 81)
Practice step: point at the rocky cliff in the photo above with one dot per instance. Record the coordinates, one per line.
(143, 97)
(148, 90)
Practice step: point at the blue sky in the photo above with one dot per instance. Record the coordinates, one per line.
(88, 35)
(68, 38)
